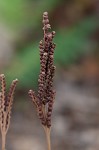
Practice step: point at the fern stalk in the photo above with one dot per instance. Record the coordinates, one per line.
(6, 102)
(44, 99)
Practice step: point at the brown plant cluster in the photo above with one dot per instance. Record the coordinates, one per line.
(45, 96)
(6, 102)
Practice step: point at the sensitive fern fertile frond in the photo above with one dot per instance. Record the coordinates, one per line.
(6, 102)
(45, 97)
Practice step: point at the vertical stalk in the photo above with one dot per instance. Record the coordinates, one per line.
(3, 140)
(48, 138)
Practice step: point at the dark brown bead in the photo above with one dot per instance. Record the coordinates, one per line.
(49, 114)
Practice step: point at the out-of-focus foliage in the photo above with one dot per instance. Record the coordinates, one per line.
(76, 41)
(71, 44)
(18, 14)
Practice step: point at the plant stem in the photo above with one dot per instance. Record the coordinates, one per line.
(3, 140)
(47, 131)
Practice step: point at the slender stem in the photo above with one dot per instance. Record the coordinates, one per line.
(47, 131)
(3, 140)
(4, 132)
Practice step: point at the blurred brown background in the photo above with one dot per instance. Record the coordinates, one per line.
(76, 108)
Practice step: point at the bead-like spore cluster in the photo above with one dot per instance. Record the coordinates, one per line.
(6, 102)
(46, 95)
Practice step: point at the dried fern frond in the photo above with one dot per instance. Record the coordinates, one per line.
(6, 102)
(45, 97)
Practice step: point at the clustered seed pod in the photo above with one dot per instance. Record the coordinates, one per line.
(6, 102)
(46, 95)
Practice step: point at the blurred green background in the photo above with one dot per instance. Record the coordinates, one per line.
(76, 23)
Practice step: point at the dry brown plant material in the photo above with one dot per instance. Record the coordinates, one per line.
(44, 99)
(6, 102)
